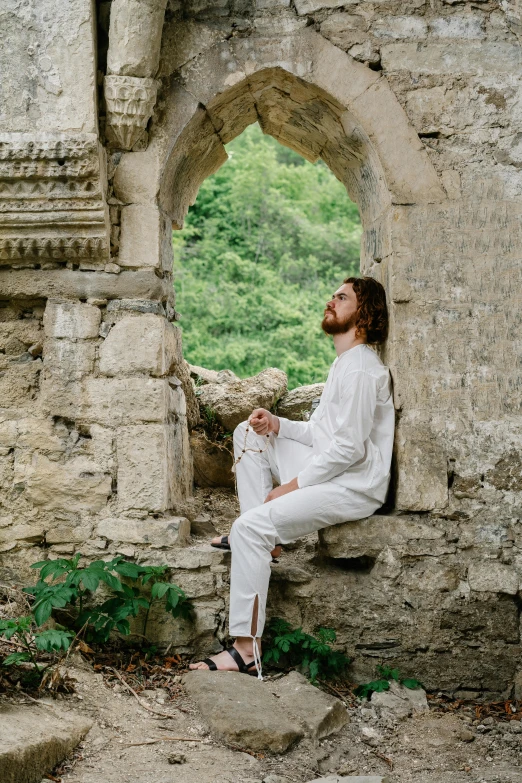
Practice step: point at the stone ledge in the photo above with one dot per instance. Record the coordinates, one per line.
(173, 531)
(66, 283)
(34, 739)
(368, 537)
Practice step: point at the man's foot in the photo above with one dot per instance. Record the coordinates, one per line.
(218, 542)
(225, 662)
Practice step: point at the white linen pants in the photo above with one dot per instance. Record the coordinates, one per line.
(262, 526)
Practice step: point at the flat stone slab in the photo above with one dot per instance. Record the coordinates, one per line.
(34, 739)
(319, 713)
(242, 710)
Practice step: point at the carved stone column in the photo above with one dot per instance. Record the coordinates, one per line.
(132, 62)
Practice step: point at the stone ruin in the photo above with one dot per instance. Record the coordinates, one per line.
(111, 116)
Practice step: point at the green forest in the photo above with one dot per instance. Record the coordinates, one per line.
(268, 240)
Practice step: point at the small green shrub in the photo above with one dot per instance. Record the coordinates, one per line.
(63, 583)
(312, 654)
(386, 675)
(22, 631)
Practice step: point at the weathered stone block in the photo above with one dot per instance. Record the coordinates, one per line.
(467, 57)
(397, 143)
(68, 534)
(27, 332)
(197, 633)
(71, 319)
(411, 27)
(171, 531)
(493, 577)
(76, 485)
(197, 557)
(319, 713)
(34, 739)
(136, 177)
(69, 360)
(457, 27)
(368, 537)
(24, 283)
(8, 433)
(422, 472)
(141, 344)
(61, 398)
(196, 584)
(345, 30)
(142, 237)
(19, 384)
(304, 7)
(147, 462)
(118, 401)
(242, 711)
(61, 79)
(32, 532)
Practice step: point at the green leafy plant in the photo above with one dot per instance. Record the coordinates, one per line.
(386, 675)
(63, 583)
(21, 630)
(311, 653)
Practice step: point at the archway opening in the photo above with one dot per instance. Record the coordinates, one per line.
(269, 237)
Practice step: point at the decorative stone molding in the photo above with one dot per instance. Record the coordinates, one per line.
(52, 205)
(130, 102)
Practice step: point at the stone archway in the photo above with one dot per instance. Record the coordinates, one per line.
(320, 102)
(93, 422)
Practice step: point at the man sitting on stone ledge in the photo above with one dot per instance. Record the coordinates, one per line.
(334, 468)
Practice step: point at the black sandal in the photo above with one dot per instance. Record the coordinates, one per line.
(244, 668)
(223, 544)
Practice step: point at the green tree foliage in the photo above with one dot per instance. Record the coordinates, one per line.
(267, 242)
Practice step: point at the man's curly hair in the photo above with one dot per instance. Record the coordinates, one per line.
(372, 311)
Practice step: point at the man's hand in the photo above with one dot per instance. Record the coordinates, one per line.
(263, 422)
(284, 489)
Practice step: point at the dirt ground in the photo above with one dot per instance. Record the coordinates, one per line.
(129, 744)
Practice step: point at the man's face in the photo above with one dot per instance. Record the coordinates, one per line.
(340, 311)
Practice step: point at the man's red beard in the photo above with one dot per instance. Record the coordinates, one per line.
(332, 325)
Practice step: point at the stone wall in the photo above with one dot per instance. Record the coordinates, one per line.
(111, 116)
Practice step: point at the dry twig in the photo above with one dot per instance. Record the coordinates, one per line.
(384, 758)
(162, 739)
(140, 701)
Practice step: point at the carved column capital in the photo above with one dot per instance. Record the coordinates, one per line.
(130, 103)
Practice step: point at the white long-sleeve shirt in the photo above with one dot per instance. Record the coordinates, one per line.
(351, 431)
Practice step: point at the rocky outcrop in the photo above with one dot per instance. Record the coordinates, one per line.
(201, 375)
(297, 403)
(231, 402)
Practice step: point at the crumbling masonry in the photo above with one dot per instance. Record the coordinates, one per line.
(111, 116)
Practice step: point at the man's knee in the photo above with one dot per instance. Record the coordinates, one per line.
(242, 527)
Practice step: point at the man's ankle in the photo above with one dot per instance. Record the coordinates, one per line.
(246, 647)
